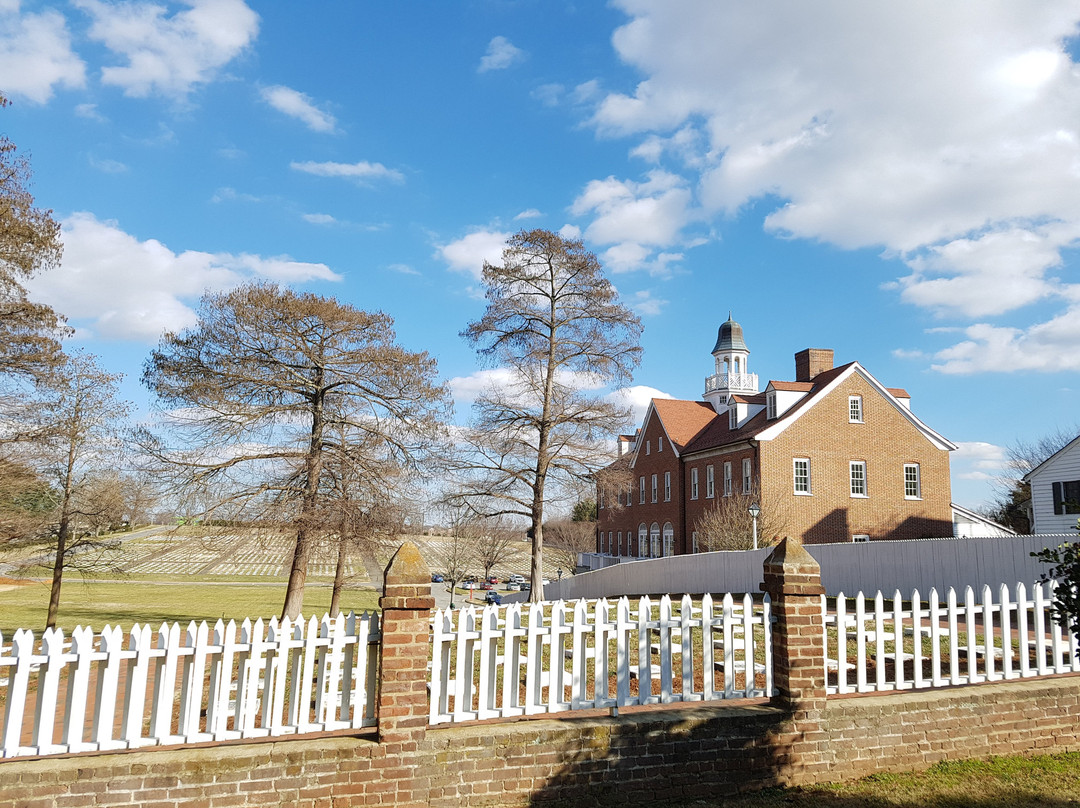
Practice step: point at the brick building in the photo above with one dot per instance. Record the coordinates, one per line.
(840, 456)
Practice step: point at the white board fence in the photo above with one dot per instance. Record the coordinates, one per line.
(549, 657)
(97, 692)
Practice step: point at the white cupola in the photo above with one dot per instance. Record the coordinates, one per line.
(732, 374)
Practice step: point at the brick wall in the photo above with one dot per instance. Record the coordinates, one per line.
(885, 440)
(798, 737)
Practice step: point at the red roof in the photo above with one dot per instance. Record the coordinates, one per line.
(683, 420)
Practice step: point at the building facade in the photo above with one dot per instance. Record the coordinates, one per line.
(832, 456)
(1055, 491)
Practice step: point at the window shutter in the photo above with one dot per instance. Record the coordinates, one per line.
(1059, 500)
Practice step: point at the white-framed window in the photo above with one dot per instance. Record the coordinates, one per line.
(648, 447)
(669, 540)
(912, 483)
(660, 443)
(642, 540)
(733, 418)
(654, 488)
(802, 475)
(620, 542)
(629, 494)
(693, 484)
(667, 486)
(747, 474)
(860, 537)
(611, 541)
(854, 404)
(693, 540)
(727, 479)
(710, 483)
(858, 478)
(770, 405)
(641, 490)
(600, 499)
(654, 541)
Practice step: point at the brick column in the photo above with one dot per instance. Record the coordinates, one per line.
(406, 612)
(793, 581)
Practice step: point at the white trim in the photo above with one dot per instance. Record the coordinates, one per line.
(786, 420)
(809, 477)
(860, 466)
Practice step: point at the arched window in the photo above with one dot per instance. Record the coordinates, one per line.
(654, 541)
(642, 539)
(669, 540)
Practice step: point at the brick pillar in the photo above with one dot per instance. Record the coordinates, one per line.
(406, 612)
(793, 581)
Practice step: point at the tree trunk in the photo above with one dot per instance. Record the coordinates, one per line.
(58, 573)
(294, 592)
(339, 577)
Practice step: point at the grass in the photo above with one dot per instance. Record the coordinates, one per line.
(1048, 781)
(100, 604)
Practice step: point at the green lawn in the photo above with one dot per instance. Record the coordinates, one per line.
(1049, 781)
(100, 604)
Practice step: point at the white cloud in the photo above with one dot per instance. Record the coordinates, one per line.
(106, 165)
(227, 194)
(645, 304)
(319, 218)
(362, 171)
(466, 389)
(297, 105)
(958, 156)
(979, 461)
(500, 55)
(403, 269)
(468, 254)
(89, 111)
(634, 217)
(1050, 346)
(531, 213)
(169, 55)
(36, 55)
(119, 287)
(637, 399)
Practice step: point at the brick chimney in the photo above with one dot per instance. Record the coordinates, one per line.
(809, 362)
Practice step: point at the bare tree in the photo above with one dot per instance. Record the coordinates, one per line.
(728, 525)
(556, 324)
(27, 503)
(567, 538)
(1013, 495)
(79, 422)
(29, 242)
(454, 555)
(259, 386)
(496, 541)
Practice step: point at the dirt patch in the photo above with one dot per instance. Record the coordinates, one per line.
(12, 583)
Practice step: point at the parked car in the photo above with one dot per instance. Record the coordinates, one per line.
(487, 585)
(470, 585)
(493, 580)
(436, 578)
(516, 579)
(493, 597)
(513, 587)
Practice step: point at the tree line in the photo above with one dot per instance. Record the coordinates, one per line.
(299, 411)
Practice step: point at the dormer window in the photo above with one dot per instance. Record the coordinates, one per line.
(733, 418)
(855, 409)
(770, 405)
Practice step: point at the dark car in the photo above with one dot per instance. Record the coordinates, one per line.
(493, 597)
(436, 578)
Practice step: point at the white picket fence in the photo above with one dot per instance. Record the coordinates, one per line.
(97, 692)
(884, 644)
(544, 658)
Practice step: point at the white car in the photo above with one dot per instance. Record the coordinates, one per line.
(516, 579)
(513, 586)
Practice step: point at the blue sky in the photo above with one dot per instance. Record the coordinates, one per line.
(897, 181)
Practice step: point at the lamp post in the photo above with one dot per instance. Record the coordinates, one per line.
(754, 512)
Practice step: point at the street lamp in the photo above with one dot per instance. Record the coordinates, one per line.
(754, 512)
